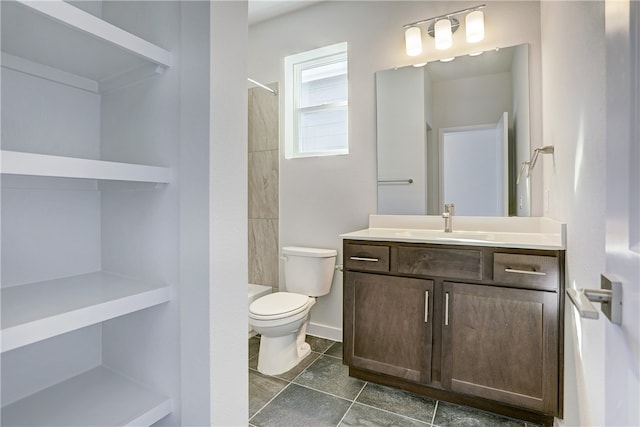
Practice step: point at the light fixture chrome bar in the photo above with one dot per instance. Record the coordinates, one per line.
(446, 15)
(265, 87)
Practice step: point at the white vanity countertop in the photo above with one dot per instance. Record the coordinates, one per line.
(507, 232)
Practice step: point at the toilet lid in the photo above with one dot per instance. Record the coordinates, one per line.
(279, 304)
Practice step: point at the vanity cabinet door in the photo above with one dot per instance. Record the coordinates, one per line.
(501, 344)
(388, 324)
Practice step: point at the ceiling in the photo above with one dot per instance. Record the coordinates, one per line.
(262, 10)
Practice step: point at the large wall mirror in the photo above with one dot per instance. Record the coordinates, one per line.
(455, 132)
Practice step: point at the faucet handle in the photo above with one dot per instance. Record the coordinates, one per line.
(449, 208)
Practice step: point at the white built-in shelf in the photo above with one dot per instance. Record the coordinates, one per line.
(18, 163)
(58, 41)
(98, 397)
(41, 310)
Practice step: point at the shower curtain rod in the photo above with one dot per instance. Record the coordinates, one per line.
(265, 87)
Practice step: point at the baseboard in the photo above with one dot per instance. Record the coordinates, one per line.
(324, 331)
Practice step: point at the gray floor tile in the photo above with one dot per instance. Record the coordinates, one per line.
(322, 391)
(254, 346)
(328, 374)
(398, 401)
(335, 350)
(366, 416)
(296, 370)
(319, 345)
(300, 406)
(262, 389)
(292, 373)
(450, 415)
(253, 362)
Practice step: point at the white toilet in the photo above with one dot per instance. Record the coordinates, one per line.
(282, 317)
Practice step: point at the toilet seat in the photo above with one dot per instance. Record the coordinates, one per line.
(278, 305)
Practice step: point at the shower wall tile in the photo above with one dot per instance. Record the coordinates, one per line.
(263, 119)
(263, 184)
(263, 252)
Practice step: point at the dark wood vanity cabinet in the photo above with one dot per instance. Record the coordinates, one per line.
(501, 344)
(391, 320)
(479, 326)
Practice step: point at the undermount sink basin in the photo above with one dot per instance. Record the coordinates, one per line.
(458, 236)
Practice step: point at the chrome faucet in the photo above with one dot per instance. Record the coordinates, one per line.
(448, 217)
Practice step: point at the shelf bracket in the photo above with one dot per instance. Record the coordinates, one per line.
(609, 295)
(130, 77)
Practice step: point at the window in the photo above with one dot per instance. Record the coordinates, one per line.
(316, 103)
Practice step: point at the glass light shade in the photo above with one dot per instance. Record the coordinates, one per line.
(413, 41)
(475, 26)
(444, 37)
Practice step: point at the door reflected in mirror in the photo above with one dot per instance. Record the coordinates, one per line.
(419, 110)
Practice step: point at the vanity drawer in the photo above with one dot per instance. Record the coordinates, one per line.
(366, 257)
(527, 271)
(453, 263)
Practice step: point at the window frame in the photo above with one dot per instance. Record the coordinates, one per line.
(294, 66)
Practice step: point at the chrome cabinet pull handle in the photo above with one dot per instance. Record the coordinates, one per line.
(426, 306)
(446, 309)
(530, 272)
(357, 258)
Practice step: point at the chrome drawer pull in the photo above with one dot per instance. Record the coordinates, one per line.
(426, 306)
(530, 272)
(357, 258)
(446, 309)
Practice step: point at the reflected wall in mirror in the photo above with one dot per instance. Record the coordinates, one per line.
(455, 132)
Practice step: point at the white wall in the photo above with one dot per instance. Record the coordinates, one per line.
(622, 342)
(455, 102)
(323, 197)
(573, 64)
(228, 204)
(194, 213)
(140, 224)
(520, 121)
(472, 168)
(401, 141)
(46, 117)
(214, 214)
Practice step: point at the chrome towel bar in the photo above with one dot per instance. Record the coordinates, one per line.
(407, 181)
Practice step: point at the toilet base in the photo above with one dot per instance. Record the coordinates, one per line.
(281, 354)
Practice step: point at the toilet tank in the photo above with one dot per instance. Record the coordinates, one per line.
(308, 271)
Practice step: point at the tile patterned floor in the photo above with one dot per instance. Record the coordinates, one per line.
(320, 392)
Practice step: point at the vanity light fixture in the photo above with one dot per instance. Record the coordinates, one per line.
(475, 26)
(442, 27)
(443, 34)
(413, 41)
